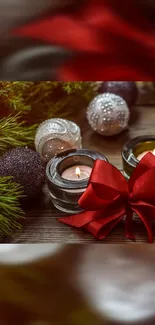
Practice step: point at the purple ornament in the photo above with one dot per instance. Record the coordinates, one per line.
(125, 89)
(26, 168)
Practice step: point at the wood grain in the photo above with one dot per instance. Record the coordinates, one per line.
(41, 225)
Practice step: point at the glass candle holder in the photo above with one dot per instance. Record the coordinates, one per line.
(56, 135)
(134, 150)
(67, 176)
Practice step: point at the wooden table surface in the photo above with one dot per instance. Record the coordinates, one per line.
(41, 225)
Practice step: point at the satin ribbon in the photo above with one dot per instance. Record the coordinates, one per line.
(109, 198)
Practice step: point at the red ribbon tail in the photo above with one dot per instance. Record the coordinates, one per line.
(94, 222)
(140, 212)
(129, 233)
(79, 220)
(102, 228)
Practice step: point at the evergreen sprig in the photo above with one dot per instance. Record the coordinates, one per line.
(10, 210)
(14, 133)
(11, 96)
(38, 101)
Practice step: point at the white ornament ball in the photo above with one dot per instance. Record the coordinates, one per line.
(108, 114)
(56, 135)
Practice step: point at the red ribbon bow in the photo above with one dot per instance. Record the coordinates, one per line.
(109, 198)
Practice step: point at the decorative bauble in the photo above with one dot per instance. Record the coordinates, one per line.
(26, 167)
(108, 114)
(126, 89)
(56, 135)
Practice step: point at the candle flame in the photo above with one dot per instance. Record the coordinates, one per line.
(78, 172)
(153, 152)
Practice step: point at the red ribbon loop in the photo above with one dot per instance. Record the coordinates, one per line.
(109, 198)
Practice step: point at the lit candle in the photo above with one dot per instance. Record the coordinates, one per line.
(77, 173)
(67, 175)
(141, 155)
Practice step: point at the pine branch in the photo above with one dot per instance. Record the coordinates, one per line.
(14, 133)
(38, 101)
(10, 210)
(57, 99)
(70, 87)
(11, 94)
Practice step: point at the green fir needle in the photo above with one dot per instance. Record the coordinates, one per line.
(14, 133)
(10, 209)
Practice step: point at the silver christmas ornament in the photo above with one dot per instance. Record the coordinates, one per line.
(108, 114)
(56, 135)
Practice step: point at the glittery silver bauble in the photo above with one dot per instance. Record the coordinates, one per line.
(26, 168)
(56, 135)
(108, 114)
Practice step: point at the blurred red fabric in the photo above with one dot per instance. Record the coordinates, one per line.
(110, 40)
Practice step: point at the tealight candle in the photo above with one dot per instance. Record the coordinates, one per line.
(76, 173)
(134, 150)
(67, 176)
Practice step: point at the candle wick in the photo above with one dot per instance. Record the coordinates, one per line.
(78, 176)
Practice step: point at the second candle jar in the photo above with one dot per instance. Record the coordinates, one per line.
(134, 150)
(67, 176)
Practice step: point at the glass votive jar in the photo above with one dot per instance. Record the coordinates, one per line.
(56, 135)
(67, 177)
(134, 150)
